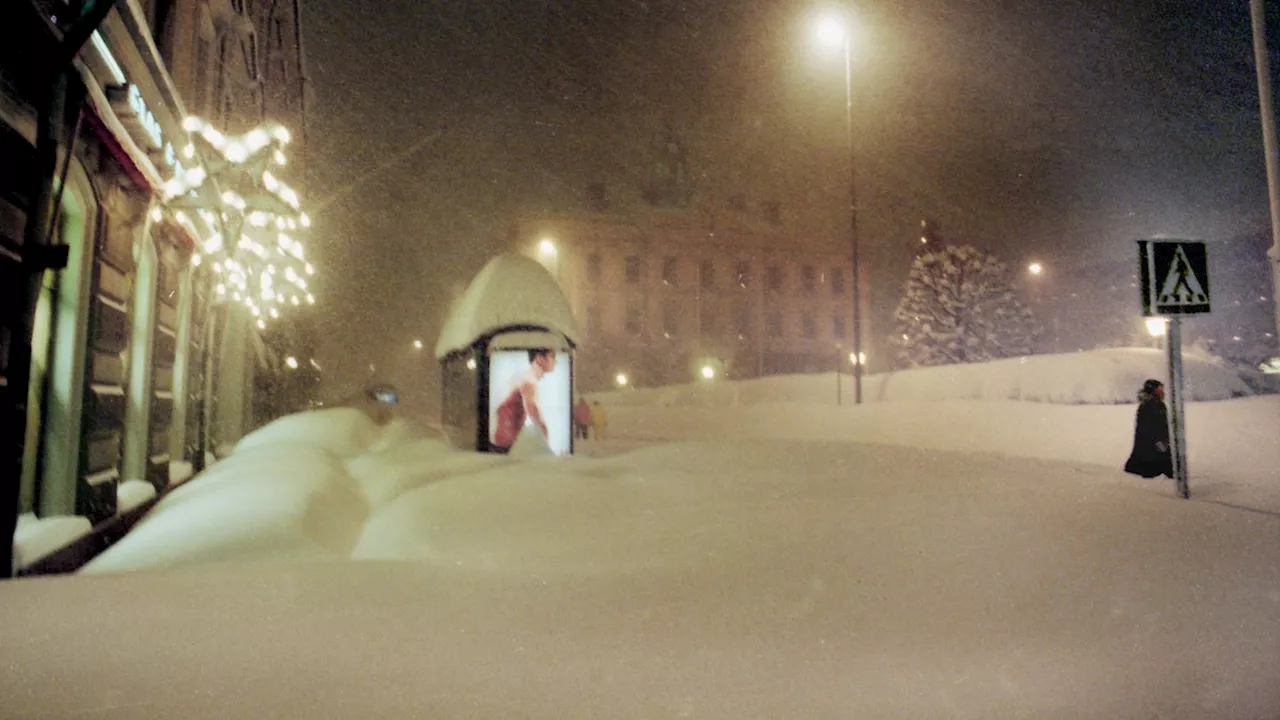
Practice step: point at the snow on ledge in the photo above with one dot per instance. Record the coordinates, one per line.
(511, 291)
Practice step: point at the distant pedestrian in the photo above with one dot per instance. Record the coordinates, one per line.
(581, 418)
(1151, 457)
(599, 420)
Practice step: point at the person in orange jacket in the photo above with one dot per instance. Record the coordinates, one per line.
(599, 420)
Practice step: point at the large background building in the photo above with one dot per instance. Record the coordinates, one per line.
(662, 294)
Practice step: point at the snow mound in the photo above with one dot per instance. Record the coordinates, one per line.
(132, 493)
(37, 537)
(288, 501)
(511, 291)
(345, 432)
(1096, 377)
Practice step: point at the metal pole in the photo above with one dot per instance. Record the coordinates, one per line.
(1177, 430)
(839, 392)
(1262, 63)
(853, 217)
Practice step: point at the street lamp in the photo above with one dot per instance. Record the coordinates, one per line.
(836, 29)
(547, 248)
(1157, 326)
(417, 344)
(708, 372)
(1035, 268)
(621, 379)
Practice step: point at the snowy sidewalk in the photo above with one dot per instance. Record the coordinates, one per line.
(717, 579)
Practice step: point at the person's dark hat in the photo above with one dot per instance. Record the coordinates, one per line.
(1150, 386)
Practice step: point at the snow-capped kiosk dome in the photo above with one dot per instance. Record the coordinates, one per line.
(513, 295)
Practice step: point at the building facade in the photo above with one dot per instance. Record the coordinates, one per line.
(662, 298)
(113, 385)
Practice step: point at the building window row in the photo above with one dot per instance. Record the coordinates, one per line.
(810, 278)
(711, 322)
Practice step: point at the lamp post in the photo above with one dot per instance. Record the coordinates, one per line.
(837, 28)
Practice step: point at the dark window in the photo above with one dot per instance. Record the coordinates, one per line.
(251, 56)
(808, 278)
(742, 273)
(773, 278)
(635, 320)
(634, 270)
(670, 321)
(707, 317)
(202, 76)
(707, 274)
(670, 271)
(837, 281)
(595, 267)
(837, 327)
(809, 326)
(742, 323)
(775, 325)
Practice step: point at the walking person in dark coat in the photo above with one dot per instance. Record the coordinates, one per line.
(1151, 457)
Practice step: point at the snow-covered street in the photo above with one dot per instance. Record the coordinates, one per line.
(964, 558)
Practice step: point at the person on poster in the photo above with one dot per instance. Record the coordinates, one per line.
(1151, 457)
(521, 401)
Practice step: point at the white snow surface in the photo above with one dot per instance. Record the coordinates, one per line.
(1106, 376)
(132, 493)
(511, 290)
(35, 537)
(780, 558)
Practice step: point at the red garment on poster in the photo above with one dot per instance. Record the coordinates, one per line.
(510, 416)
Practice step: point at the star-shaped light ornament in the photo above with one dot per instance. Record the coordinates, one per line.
(245, 219)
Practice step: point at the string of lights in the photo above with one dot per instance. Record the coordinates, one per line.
(244, 218)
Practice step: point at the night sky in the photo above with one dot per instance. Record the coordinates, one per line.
(1059, 130)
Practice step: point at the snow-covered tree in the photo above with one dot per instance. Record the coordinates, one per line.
(959, 307)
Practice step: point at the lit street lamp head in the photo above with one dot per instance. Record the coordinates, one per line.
(831, 29)
(1035, 268)
(547, 248)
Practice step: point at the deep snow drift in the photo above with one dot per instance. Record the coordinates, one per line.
(968, 559)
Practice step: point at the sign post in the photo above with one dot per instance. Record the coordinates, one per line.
(1174, 277)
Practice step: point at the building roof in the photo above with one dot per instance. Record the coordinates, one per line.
(511, 292)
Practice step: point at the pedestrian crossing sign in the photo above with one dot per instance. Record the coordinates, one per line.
(1174, 277)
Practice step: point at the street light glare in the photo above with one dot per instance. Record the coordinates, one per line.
(1035, 268)
(708, 372)
(417, 344)
(1157, 326)
(621, 379)
(831, 29)
(547, 247)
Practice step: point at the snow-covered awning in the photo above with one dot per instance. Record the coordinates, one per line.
(512, 292)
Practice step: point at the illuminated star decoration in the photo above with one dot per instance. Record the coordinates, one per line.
(243, 216)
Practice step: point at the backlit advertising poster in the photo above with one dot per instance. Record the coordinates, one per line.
(529, 402)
